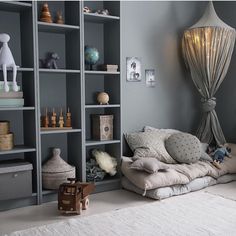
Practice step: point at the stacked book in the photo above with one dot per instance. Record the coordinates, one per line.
(110, 68)
(11, 98)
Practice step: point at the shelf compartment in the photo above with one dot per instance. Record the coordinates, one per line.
(108, 180)
(56, 28)
(102, 106)
(48, 192)
(17, 108)
(99, 18)
(18, 149)
(65, 71)
(97, 142)
(15, 6)
(97, 72)
(60, 131)
(20, 69)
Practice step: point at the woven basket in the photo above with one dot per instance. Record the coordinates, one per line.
(6, 142)
(56, 171)
(4, 127)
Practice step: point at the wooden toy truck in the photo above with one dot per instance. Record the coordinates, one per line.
(73, 196)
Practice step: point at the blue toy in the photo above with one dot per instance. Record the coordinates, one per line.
(219, 154)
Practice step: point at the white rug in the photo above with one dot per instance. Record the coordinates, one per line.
(224, 190)
(192, 214)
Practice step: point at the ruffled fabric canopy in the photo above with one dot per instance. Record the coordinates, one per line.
(207, 48)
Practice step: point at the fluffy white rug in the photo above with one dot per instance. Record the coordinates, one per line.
(192, 214)
(224, 190)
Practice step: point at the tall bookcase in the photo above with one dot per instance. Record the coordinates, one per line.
(72, 85)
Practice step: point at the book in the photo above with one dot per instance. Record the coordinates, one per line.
(11, 95)
(12, 102)
(10, 84)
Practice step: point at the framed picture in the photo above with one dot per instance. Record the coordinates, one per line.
(133, 69)
(150, 78)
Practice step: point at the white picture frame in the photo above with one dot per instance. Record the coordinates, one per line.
(150, 78)
(133, 69)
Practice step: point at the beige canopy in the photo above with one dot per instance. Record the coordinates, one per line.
(207, 47)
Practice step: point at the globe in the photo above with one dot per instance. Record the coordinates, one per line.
(91, 56)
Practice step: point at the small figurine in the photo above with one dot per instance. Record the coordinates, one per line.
(61, 120)
(50, 61)
(45, 14)
(103, 12)
(219, 155)
(87, 10)
(7, 60)
(54, 119)
(103, 98)
(68, 118)
(59, 19)
(45, 119)
(73, 196)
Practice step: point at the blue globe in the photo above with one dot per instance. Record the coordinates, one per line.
(91, 55)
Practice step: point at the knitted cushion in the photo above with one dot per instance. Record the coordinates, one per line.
(184, 148)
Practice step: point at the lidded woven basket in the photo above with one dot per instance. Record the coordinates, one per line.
(56, 171)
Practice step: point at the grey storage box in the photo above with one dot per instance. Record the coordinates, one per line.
(15, 180)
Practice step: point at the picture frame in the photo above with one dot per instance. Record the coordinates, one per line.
(150, 78)
(133, 69)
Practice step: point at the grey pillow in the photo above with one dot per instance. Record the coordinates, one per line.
(149, 144)
(150, 165)
(184, 148)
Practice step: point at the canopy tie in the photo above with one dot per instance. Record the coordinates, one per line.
(209, 104)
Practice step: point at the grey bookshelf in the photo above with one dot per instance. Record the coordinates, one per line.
(72, 85)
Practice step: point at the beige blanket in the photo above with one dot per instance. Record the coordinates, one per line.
(178, 173)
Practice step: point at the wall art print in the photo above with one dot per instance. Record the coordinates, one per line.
(150, 78)
(133, 69)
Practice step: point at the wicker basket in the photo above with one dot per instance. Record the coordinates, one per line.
(56, 171)
(4, 127)
(6, 142)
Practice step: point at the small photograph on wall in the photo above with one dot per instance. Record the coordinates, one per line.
(150, 78)
(133, 68)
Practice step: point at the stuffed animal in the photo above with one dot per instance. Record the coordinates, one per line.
(219, 154)
(105, 161)
(50, 61)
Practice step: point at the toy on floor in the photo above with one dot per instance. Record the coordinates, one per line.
(7, 60)
(73, 196)
(105, 161)
(219, 154)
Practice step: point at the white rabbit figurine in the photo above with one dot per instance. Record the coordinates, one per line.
(7, 60)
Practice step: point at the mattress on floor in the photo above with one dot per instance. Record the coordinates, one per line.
(177, 174)
(175, 190)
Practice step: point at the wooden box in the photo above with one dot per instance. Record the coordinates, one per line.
(6, 142)
(102, 127)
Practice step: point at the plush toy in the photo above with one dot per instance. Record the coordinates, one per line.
(219, 154)
(50, 61)
(105, 161)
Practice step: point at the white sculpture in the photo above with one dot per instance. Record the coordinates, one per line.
(7, 60)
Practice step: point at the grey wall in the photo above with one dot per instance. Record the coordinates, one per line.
(226, 96)
(153, 31)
